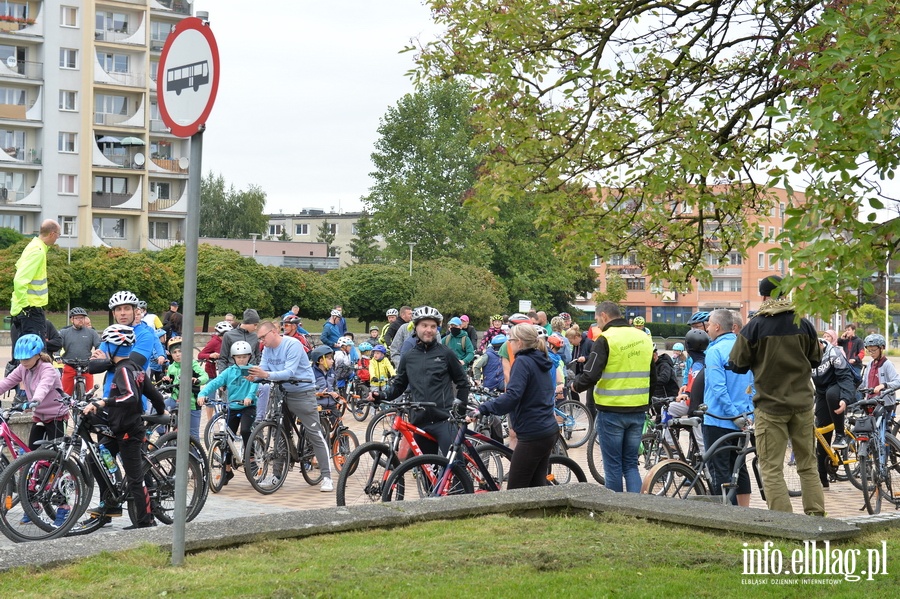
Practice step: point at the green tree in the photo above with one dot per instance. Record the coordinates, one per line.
(230, 213)
(9, 237)
(870, 318)
(363, 248)
(424, 166)
(315, 294)
(616, 290)
(326, 235)
(369, 289)
(656, 103)
(455, 287)
(103, 271)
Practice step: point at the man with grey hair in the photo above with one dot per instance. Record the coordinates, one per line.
(620, 369)
(737, 322)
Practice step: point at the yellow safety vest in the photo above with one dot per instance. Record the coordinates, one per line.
(30, 280)
(625, 381)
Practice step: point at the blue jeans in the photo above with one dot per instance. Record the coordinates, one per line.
(620, 439)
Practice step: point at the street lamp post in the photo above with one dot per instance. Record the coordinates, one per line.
(254, 236)
(411, 245)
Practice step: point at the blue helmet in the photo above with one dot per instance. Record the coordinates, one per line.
(699, 317)
(498, 340)
(28, 346)
(380, 348)
(365, 346)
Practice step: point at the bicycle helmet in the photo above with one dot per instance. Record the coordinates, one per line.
(875, 339)
(565, 315)
(365, 346)
(638, 321)
(319, 352)
(123, 298)
(241, 348)
(555, 340)
(696, 340)
(28, 346)
(118, 334)
(678, 347)
(699, 317)
(518, 318)
(541, 332)
(374, 329)
(336, 313)
(223, 327)
(77, 312)
(343, 341)
(142, 304)
(392, 312)
(174, 343)
(380, 348)
(426, 313)
(498, 340)
(496, 317)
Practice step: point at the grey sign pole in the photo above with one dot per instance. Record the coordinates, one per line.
(191, 246)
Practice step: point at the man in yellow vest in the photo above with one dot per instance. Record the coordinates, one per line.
(620, 369)
(30, 293)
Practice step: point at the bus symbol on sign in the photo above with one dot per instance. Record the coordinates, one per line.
(190, 75)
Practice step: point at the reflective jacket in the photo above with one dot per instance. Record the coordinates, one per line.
(30, 281)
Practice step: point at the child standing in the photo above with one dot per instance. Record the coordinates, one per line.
(198, 378)
(380, 368)
(241, 397)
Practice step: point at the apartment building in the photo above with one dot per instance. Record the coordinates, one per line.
(305, 225)
(83, 142)
(734, 285)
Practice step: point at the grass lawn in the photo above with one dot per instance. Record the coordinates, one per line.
(493, 556)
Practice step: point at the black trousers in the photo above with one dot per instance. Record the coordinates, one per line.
(826, 403)
(130, 451)
(45, 430)
(30, 320)
(530, 462)
(245, 419)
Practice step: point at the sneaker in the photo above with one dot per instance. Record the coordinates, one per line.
(840, 442)
(327, 485)
(103, 511)
(150, 524)
(229, 474)
(61, 514)
(90, 521)
(25, 520)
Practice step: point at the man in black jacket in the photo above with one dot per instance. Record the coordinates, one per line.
(666, 383)
(402, 319)
(431, 371)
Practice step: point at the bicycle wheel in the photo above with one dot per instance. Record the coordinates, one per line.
(216, 462)
(564, 471)
(359, 406)
(309, 466)
(342, 446)
(216, 424)
(672, 478)
(380, 426)
(420, 477)
(655, 450)
(497, 463)
(890, 472)
(266, 457)
(42, 496)
(362, 479)
(869, 466)
(159, 478)
(577, 426)
(197, 449)
(595, 460)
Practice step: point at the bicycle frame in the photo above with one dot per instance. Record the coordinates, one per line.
(836, 460)
(9, 439)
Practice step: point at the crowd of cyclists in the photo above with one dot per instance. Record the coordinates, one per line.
(526, 361)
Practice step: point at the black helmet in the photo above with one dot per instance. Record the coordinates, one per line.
(320, 351)
(696, 340)
(77, 312)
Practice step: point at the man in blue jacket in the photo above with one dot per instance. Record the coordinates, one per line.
(726, 393)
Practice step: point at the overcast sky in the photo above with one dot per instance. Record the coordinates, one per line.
(303, 86)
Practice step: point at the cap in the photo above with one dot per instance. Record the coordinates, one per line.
(455, 322)
(464, 318)
(251, 316)
(173, 303)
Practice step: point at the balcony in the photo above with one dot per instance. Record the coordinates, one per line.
(10, 196)
(170, 165)
(157, 126)
(8, 23)
(130, 79)
(130, 36)
(119, 120)
(23, 155)
(180, 7)
(22, 69)
(164, 243)
(107, 199)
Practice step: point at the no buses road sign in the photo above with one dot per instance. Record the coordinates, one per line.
(188, 77)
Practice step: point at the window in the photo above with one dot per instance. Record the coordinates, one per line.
(13, 143)
(635, 283)
(68, 184)
(68, 142)
(734, 284)
(159, 230)
(735, 258)
(275, 230)
(354, 229)
(11, 221)
(159, 31)
(723, 284)
(670, 314)
(333, 228)
(761, 261)
(782, 210)
(772, 261)
(302, 229)
(110, 227)
(110, 104)
(161, 150)
(112, 21)
(12, 186)
(333, 251)
(67, 226)
(163, 191)
(12, 96)
(68, 100)
(771, 234)
(68, 16)
(596, 261)
(113, 63)
(617, 260)
(18, 10)
(111, 185)
(68, 58)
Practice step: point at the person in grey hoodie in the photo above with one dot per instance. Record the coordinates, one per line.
(529, 400)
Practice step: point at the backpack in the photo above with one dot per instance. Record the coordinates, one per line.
(465, 339)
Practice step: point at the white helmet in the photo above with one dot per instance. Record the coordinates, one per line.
(241, 348)
(345, 341)
(223, 327)
(335, 312)
(123, 298)
(392, 312)
(426, 312)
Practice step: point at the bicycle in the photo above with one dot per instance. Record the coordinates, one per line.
(847, 458)
(226, 442)
(878, 452)
(54, 485)
(269, 455)
(9, 440)
(463, 470)
(356, 393)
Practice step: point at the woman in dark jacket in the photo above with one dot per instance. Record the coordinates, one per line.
(581, 349)
(835, 390)
(529, 399)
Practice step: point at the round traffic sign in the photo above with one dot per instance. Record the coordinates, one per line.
(188, 77)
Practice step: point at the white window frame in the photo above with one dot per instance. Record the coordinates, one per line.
(67, 185)
(301, 229)
(63, 140)
(64, 55)
(71, 11)
(65, 94)
(67, 226)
